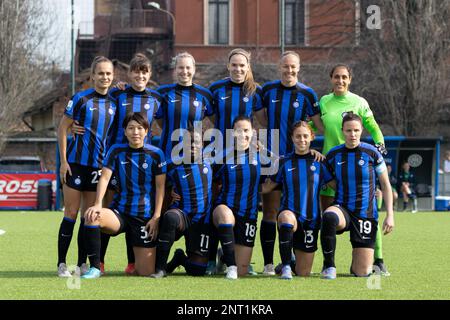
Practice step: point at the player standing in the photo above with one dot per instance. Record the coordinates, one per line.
(82, 158)
(285, 102)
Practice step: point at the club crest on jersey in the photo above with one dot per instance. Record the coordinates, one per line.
(196, 103)
(145, 165)
(205, 170)
(114, 181)
(78, 181)
(313, 168)
(255, 162)
(111, 111)
(245, 99)
(147, 106)
(69, 105)
(361, 162)
(296, 104)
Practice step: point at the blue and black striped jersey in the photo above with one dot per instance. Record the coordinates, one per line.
(135, 170)
(94, 112)
(285, 106)
(240, 177)
(229, 102)
(355, 173)
(129, 101)
(180, 107)
(193, 183)
(302, 178)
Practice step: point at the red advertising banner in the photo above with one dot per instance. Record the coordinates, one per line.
(20, 190)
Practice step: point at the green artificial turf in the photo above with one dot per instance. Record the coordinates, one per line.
(417, 255)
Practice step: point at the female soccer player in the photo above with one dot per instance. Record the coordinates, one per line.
(183, 104)
(135, 97)
(189, 215)
(236, 211)
(136, 207)
(285, 102)
(233, 96)
(354, 166)
(333, 107)
(82, 159)
(301, 177)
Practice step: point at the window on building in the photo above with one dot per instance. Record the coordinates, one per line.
(294, 22)
(218, 21)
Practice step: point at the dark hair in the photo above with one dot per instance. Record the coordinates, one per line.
(249, 82)
(140, 63)
(138, 117)
(305, 124)
(242, 118)
(341, 65)
(350, 116)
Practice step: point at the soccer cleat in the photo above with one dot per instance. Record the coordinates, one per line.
(329, 273)
(380, 268)
(220, 267)
(269, 270)
(251, 272)
(232, 273)
(278, 268)
(130, 270)
(63, 272)
(286, 273)
(102, 268)
(211, 268)
(158, 274)
(177, 260)
(93, 273)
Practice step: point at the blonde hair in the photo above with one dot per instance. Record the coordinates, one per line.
(290, 53)
(97, 60)
(249, 82)
(184, 54)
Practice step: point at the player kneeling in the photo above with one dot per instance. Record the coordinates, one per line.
(138, 167)
(301, 177)
(189, 215)
(354, 166)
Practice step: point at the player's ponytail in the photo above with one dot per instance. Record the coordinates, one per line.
(249, 82)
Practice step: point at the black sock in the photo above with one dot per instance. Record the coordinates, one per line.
(104, 240)
(130, 252)
(82, 256)
(64, 237)
(286, 236)
(268, 234)
(179, 259)
(92, 241)
(405, 205)
(169, 224)
(226, 237)
(328, 238)
(213, 244)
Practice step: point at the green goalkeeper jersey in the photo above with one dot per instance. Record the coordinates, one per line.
(333, 109)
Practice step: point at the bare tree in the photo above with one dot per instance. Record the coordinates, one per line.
(25, 69)
(408, 63)
(401, 63)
